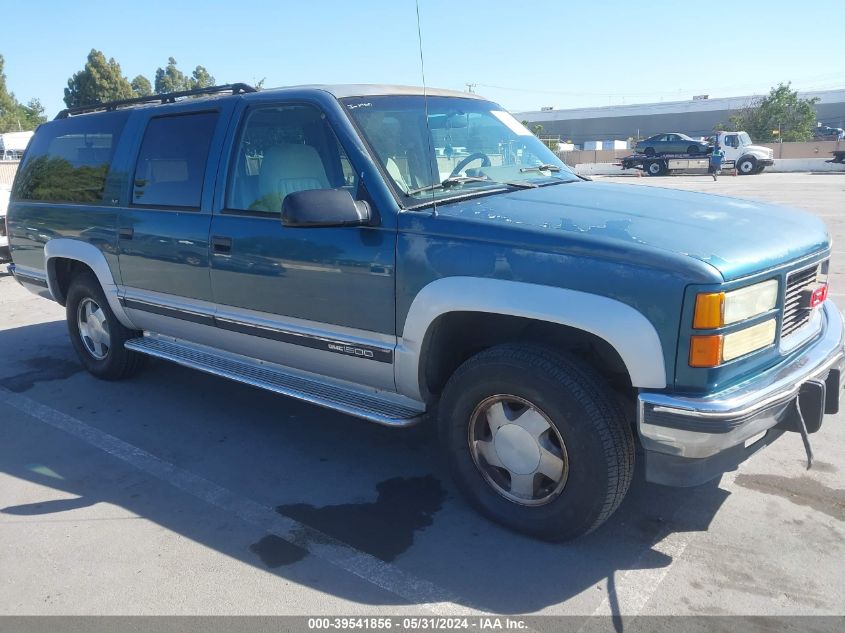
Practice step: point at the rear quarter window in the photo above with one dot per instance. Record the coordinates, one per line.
(68, 160)
(171, 163)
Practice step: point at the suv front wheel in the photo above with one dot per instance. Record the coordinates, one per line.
(95, 332)
(536, 441)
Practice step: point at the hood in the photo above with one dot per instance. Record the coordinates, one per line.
(766, 151)
(736, 237)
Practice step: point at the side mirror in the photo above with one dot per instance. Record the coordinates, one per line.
(323, 207)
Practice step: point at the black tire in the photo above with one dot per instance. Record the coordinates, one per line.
(759, 169)
(118, 362)
(746, 166)
(586, 414)
(655, 168)
(693, 149)
(649, 151)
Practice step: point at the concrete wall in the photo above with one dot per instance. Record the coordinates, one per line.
(8, 168)
(815, 149)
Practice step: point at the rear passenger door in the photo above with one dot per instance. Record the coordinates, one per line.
(163, 230)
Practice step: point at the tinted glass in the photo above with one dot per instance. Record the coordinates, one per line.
(68, 159)
(284, 149)
(171, 164)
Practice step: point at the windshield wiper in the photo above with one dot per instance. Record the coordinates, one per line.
(543, 167)
(448, 182)
(521, 184)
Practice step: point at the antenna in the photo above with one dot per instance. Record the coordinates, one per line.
(425, 102)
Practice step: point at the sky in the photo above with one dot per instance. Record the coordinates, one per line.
(522, 55)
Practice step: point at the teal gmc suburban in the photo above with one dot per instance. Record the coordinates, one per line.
(399, 254)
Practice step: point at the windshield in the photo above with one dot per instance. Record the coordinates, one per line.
(452, 146)
(744, 139)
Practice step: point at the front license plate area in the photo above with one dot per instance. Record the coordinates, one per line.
(812, 401)
(833, 389)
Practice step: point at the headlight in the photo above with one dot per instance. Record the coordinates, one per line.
(716, 309)
(713, 350)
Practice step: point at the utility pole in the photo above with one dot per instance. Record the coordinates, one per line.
(470, 87)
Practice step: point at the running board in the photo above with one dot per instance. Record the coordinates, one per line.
(367, 406)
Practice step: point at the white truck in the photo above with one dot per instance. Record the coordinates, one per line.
(13, 144)
(748, 158)
(740, 154)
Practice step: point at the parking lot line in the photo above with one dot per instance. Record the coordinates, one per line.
(630, 592)
(422, 593)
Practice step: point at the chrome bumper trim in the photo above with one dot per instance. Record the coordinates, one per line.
(740, 412)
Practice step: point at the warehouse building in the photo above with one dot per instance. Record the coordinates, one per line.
(698, 117)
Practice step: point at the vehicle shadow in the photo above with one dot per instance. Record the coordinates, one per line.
(383, 491)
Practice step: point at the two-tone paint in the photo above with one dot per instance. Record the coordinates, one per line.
(619, 262)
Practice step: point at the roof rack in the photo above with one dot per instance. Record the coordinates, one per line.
(166, 97)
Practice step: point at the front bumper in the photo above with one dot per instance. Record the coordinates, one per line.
(765, 162)
(690, 440)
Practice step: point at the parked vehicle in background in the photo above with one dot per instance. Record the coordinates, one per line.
(13, 144)
(5, 255)
(825, 133)
(389, 253)
(672, 143)
(748, 158)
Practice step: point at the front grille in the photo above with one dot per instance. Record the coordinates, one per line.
(795, 313)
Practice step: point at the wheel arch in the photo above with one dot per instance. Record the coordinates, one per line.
(624, 331)
(66, 257)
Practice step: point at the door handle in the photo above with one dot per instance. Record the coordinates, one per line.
(126, 233)
(221, 244)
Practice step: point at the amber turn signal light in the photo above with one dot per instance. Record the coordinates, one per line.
(708, 310)
(705, 351)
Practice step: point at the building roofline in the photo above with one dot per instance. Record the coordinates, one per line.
(667, 107)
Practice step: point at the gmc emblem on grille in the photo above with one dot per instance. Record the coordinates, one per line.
(814, 296)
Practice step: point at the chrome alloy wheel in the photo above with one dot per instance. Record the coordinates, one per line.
(518, 450)
(93, 328)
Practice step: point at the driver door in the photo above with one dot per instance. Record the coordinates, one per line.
(320, 299)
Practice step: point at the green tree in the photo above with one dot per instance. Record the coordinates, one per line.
(170, 78)
(15, 116)
(141, 86)
(99, 81)
(200, 78)
(780, 115)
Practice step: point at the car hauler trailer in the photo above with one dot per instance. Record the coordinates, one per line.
(670, 163)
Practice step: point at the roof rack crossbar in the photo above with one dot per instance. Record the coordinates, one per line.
(165, 97)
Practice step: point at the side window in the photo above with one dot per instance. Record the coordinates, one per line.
(171, 164)
(730, 140)
(68, 159)
(281, 150)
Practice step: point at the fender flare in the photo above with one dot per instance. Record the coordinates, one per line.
(626, 329)
(92, 257)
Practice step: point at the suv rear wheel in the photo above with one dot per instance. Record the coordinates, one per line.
(536, 441)
(95, 332)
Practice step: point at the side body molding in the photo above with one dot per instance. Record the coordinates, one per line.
(92, 257)
(626, 329)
